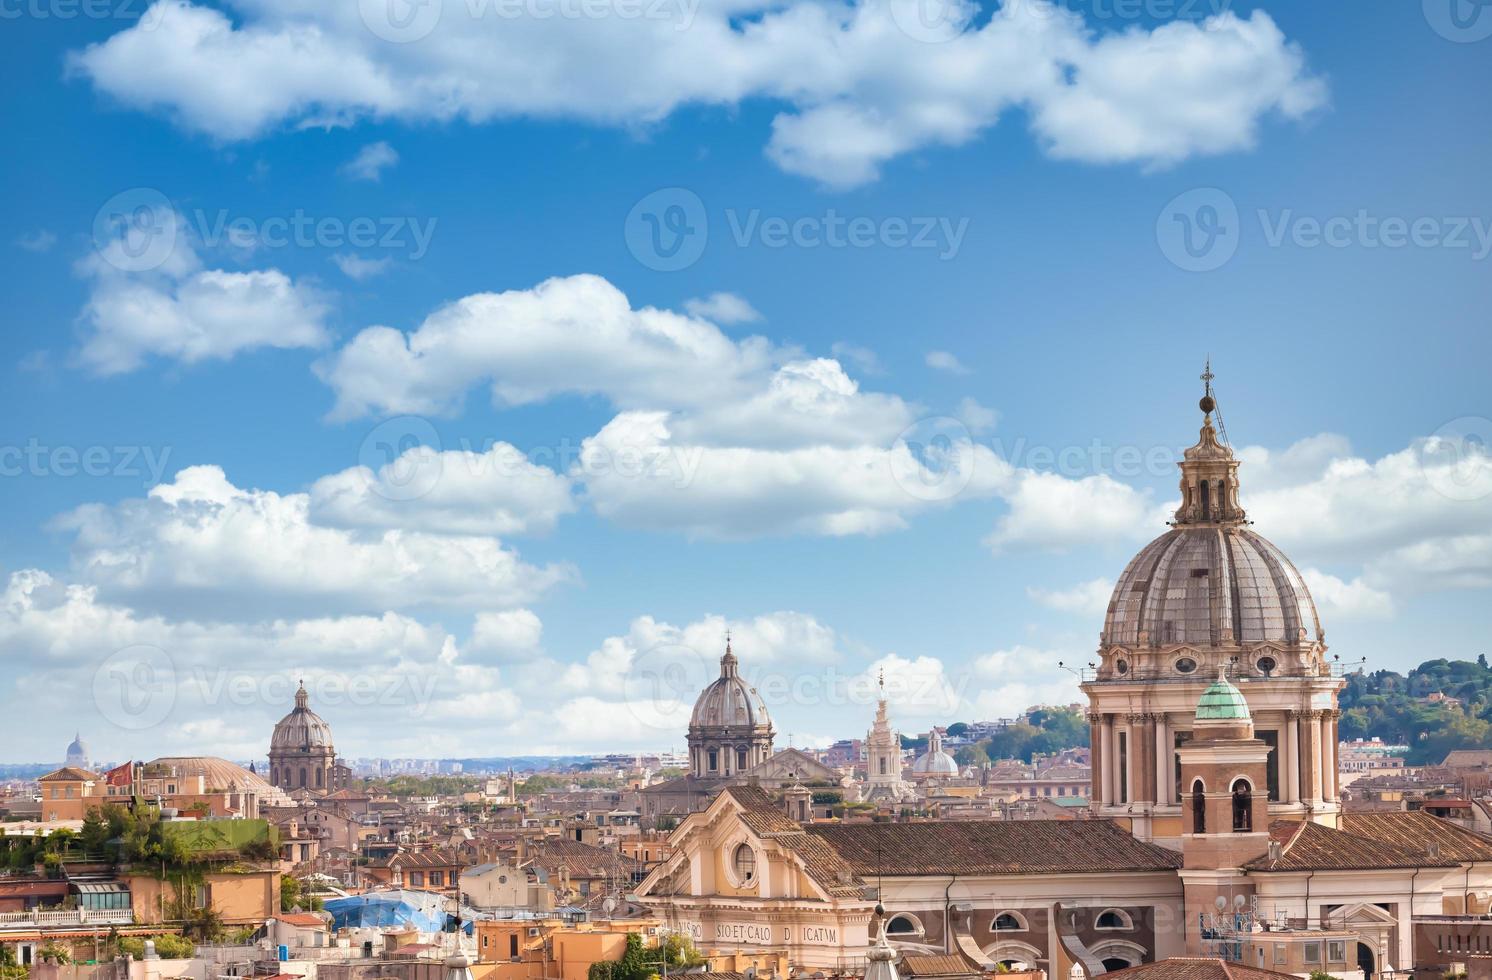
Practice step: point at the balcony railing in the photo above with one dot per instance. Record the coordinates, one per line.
(64, 918)
(1238, 673)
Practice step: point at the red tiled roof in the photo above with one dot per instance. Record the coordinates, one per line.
(304, 920)
(1307, 846)
(69, 774)
(1196, 968)
(993, 847)
(1417, 830)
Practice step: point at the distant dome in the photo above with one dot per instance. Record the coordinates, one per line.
(77, 752)
(1222, 701)
(222, 775)
(301, 729)
(938, 763)
(729, 702)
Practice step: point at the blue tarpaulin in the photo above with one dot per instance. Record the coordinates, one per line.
(422, 911)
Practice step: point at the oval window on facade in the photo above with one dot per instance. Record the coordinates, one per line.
(1186, 665)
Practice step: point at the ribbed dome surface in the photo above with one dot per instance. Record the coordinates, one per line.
(729, 701)
(302, 728)
(221, 775)
(1210, 585)
(936, 763)
(77, 748)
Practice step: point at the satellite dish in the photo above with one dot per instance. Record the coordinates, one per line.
(1239, 901)
(608, 906)
(1220, 902)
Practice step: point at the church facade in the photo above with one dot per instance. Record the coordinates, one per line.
(1215, 826)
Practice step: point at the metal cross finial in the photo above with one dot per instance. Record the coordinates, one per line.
(727, 640)
(1207, 375)
(883, 681)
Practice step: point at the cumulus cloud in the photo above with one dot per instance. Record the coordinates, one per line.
(201, 543)
(371, 161)
(358, 268)
(860, 82)
(1051, 512)
(723, 308)
(150, 294)
(941, 360)
(498, 492)
(1089, 599)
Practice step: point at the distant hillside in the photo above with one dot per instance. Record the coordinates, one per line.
(1396, 708)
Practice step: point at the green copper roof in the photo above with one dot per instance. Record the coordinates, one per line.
(1222, 702)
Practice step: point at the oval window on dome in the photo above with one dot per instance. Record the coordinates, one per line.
(1186, 665)
(1266, 665)
(1122, 666)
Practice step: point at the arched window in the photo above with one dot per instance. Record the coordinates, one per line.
(320, 774)
(1243, 807)
(741, 760)
(902, 925)
(714, 760)
(744, 864)
(1206, 502)
(1113, 919)
(1199, 808)
(303, 775)
(1008, 922)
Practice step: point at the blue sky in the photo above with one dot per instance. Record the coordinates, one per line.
(1045, 154)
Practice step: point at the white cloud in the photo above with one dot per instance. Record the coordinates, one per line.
(859, 82)
(569, 335)
(511, 634)
(1021, 677)
(1053, 512)
(150, 295)
(358, 268)
(941, 360)
(371, 161)
(38, 241)
(727, 309)
(1088, 599)
(499, 491)
(976, 416)
(203, 544)
(863, 359)
(1353, 600)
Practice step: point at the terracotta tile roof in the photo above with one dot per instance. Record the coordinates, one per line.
(821, 861)
(1417, 830)
(305, 920)
(70, 773)
(421, 859)
(993, 847)
(945, 965)
(1309, 846)
(1196, 968)
(581, 860)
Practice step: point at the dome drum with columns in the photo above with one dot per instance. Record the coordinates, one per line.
(301, 753)
(730, 730)
(1210, 595)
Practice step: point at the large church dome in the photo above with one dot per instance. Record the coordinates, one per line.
(1211, 591)
(1207, 587)
(301, 729)
(729, 702)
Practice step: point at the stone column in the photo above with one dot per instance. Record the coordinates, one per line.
(1095, 758)
(1163, 765)
(1310, 755)
(1290, 757)
(1111, 762)
(1134, 759)
(1336, 740)
(1328, 757)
